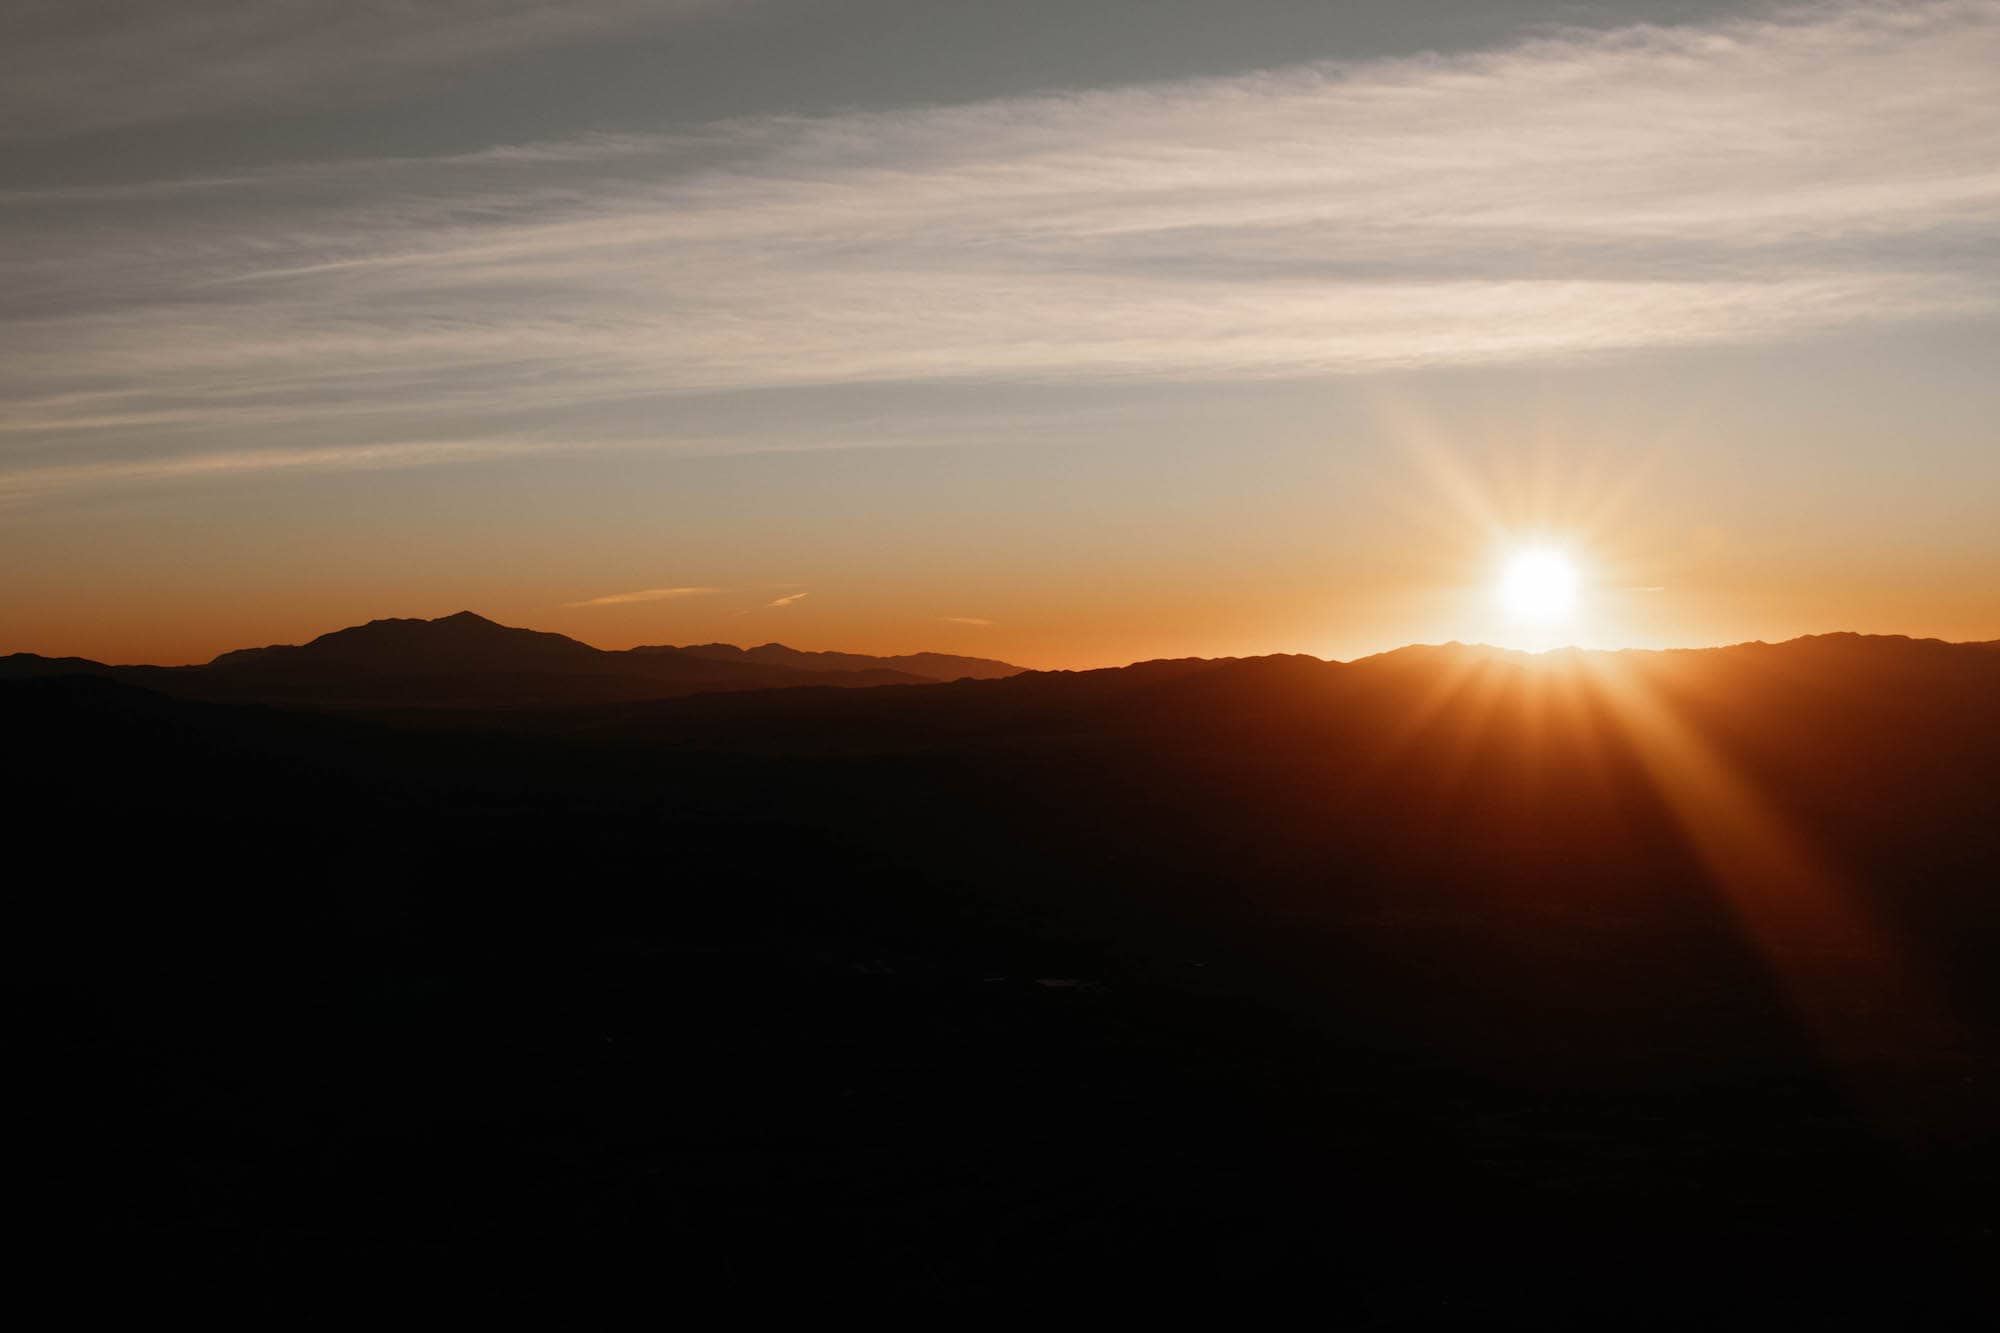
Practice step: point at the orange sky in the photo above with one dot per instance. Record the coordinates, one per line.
(1291, 547)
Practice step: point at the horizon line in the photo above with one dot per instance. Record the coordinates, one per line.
(1530, 654)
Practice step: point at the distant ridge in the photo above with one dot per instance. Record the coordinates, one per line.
(935, 666)
(467, 661)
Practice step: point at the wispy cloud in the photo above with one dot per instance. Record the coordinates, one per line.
(71, 65)
(644, 595)
(965, 620)
(29, 481)
(786, 600)
(1574, 196)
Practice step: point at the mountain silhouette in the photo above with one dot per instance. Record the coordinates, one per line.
(933, 666)
(1388, 980)
(467, 661)
(461, 642)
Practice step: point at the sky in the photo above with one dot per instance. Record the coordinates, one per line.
(1071, 334)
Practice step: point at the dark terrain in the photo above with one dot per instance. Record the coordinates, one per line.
(1442, 985)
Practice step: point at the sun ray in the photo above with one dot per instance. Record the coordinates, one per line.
(1848, 980)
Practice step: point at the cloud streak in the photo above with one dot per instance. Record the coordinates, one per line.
(1575, 196)
(80, 65)
(26, 482)
(787, 600)
(644, 595)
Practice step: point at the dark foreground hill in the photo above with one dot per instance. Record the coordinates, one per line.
(1447, 985)
(466, 661)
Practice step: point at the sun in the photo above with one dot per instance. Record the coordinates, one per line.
(1538, 585)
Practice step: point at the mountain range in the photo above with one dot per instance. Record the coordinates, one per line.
(468, 661)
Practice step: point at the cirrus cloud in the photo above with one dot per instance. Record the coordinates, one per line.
(1578, 195)
(79, 65)
(644, 595)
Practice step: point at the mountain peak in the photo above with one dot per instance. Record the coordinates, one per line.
(462, 641)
